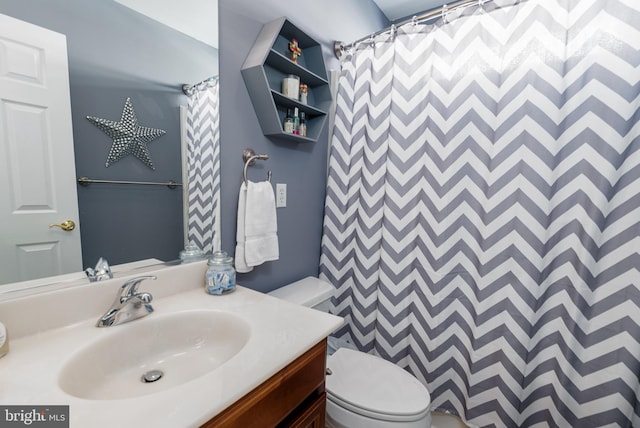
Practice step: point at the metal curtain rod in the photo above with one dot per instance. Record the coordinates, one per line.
(85, 181)
(339, 47)
(190, 89)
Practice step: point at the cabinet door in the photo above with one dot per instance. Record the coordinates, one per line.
(313, 416)
(282, 397)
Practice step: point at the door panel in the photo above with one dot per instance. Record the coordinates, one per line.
(37, 166)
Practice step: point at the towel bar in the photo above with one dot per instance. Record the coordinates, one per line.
(249, 157)
(85, 181)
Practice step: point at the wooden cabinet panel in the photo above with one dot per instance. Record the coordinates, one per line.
(311, 416)
(291, 391)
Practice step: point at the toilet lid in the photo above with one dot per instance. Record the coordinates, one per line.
(374, 387)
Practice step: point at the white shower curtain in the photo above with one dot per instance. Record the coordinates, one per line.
(482, 219)
(203, 159)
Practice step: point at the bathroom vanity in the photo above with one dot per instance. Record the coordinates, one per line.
(239, 360)
(293, 397)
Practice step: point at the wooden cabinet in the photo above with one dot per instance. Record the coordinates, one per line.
(269, 62)
(311, 415)
(292, 398)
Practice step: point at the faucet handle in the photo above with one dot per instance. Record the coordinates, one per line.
(145, 297)
(130, 288)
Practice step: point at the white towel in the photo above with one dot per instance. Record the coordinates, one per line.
(257, 230)
(240, 261)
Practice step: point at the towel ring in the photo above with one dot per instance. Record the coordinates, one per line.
(249, 157)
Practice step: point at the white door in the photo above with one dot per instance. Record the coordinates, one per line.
(37, 166)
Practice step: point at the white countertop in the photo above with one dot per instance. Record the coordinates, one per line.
(280, 332)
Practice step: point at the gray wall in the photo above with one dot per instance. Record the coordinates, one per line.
(301, 166)
(115, 53)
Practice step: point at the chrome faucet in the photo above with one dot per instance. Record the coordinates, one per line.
(129, 304)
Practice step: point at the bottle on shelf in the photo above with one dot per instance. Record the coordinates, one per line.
(288, 126)
(296, 121)
(302, 127)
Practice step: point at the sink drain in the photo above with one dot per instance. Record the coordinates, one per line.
(152, 376)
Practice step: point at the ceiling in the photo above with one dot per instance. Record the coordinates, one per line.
(198, 18)
(195, 18)
(395, 10)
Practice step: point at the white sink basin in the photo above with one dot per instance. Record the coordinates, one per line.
(183, 346)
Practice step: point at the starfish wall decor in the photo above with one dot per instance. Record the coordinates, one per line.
(129, 138)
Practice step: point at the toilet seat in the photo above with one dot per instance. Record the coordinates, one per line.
(370, 386)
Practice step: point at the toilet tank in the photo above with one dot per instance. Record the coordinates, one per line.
(310, 291)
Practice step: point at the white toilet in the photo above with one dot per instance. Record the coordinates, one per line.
(363, 391)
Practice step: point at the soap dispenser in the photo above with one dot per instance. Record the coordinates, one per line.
(4, 341)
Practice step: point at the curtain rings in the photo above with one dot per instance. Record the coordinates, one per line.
(371, 41)
(445, 10)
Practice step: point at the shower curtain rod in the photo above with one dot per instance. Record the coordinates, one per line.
(189, 89)
(339, 47)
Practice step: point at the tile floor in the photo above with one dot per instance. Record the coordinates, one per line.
(442, 420)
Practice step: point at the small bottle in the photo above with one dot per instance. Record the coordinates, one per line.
(4, 341)
(303, 93)
(296, 121)
(220, 277)
(288, 123)
(302, 127)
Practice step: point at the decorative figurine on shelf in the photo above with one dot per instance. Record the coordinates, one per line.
(303, 93)
(295, 50)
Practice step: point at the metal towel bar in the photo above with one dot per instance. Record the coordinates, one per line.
(85, 181)
(249, 157)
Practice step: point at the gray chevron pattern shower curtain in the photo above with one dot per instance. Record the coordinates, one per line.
(482, 218)
(203, 160)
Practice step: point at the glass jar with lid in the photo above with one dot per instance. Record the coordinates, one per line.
(291, 86)
(191, 253)
(220, 277)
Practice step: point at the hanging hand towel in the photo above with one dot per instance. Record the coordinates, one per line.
(260, 224)
(241, 263)
(256, 233)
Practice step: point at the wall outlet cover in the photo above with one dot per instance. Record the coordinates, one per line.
(281, 195)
